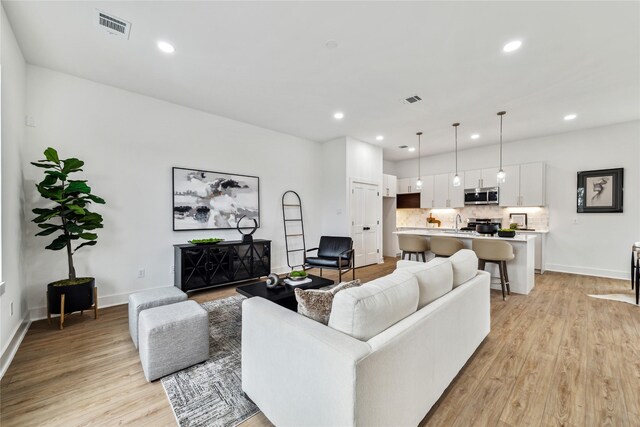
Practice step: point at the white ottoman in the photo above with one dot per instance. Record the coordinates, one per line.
(148, 299)
(173, 337)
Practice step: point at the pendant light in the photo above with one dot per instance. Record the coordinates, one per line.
(501, 177)
(456, 177)
(419, 181)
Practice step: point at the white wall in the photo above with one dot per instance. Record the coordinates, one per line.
(335, 219)
(13, 131)
(129, 143)
(599, 243)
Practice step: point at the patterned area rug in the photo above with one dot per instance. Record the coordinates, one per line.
(210, 394)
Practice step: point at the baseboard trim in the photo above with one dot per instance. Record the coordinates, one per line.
(10, 350)
(587, 271)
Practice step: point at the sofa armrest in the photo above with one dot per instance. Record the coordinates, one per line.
(298, 371)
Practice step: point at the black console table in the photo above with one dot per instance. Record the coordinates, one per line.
(205, 266)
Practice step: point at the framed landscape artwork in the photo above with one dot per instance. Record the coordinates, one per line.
(205, 200)
(600, 190)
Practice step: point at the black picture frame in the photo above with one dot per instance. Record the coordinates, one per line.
(600, 191)
(238, 177)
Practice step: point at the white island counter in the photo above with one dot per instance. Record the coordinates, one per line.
(521, 269)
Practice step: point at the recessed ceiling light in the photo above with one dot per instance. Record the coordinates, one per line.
(166, 47)
(331, 44)
(511, 46)
(379, 138)
(412, 149)
(475, 136)
(570, 116)
(339, 115)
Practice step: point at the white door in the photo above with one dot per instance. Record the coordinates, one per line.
(365, 223)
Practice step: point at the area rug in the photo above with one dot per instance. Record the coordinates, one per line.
(210, 394)
(631, 299)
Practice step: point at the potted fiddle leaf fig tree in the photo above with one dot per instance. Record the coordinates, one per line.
(69, 219)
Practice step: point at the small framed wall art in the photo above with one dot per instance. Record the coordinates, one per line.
(520, 219)
(205, 200)
(600, 191)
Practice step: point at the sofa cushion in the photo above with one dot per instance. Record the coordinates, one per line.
(465, 266)
(316, 303)
(435, 278)
(365, 311)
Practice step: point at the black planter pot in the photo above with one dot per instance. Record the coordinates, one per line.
(78, 295)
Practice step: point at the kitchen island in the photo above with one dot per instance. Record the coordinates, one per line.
(521, 269)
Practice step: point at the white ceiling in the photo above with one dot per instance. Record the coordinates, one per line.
(266, 63)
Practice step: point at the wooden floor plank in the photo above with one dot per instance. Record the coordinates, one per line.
(555, 357)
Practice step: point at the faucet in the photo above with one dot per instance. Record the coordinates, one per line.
(458, 218)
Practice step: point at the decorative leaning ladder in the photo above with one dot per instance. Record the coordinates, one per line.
(293, 228)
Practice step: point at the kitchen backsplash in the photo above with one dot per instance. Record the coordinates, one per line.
(537, 218)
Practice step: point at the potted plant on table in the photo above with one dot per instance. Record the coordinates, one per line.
(74, 224)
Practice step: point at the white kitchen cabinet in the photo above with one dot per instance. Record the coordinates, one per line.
(481, 178)
(532, 184)
(389, 185)
(426, 194)
(456, 194)
(510, 188)
(490, 177)
(524, 185)
(407, 185)
(441, 191)
(473, 179)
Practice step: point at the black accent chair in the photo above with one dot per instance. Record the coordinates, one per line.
(334, 253)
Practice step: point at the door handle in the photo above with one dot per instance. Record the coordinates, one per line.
(366, 228)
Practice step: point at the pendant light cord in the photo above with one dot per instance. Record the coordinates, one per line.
(419, 153)
(501, 114)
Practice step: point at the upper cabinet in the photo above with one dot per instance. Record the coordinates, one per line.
(389, 185)
(426, 194)
(524, 185)
(445, 195)
(456, 194)
(481, 178)
(407, 185)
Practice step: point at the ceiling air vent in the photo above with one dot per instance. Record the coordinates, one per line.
(411, 99)
(113, 25)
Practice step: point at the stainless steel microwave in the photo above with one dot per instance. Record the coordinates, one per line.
(481, 196)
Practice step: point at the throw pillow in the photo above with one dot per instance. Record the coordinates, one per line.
(316, 304)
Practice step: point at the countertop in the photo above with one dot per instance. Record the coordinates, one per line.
(449, 228)
(465, 235)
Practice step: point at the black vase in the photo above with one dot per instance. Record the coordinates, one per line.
(77, 297)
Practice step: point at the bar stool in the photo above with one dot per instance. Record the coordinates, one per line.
(412, 244)
(445, 246)
(497, 252)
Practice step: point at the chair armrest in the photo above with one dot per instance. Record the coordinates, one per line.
(348, 251)
(311, 250)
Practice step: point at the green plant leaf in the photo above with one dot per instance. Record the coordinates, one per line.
(49, 226)
(76, 209)
(96, 199)
(52, 155)
(77, 187)
(48, 181)
(89, 243)
(47, 231)
(58, 243)
(43, 165)
(57, 174)
(40, 211)
(72, 165)
(88, 236)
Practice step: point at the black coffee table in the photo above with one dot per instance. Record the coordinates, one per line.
(282, 295)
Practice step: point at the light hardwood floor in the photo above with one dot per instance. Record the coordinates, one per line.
(555, 357)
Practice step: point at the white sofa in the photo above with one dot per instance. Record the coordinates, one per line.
(303, 373)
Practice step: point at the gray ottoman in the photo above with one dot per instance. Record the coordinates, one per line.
(148, 299)
(173, 337)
